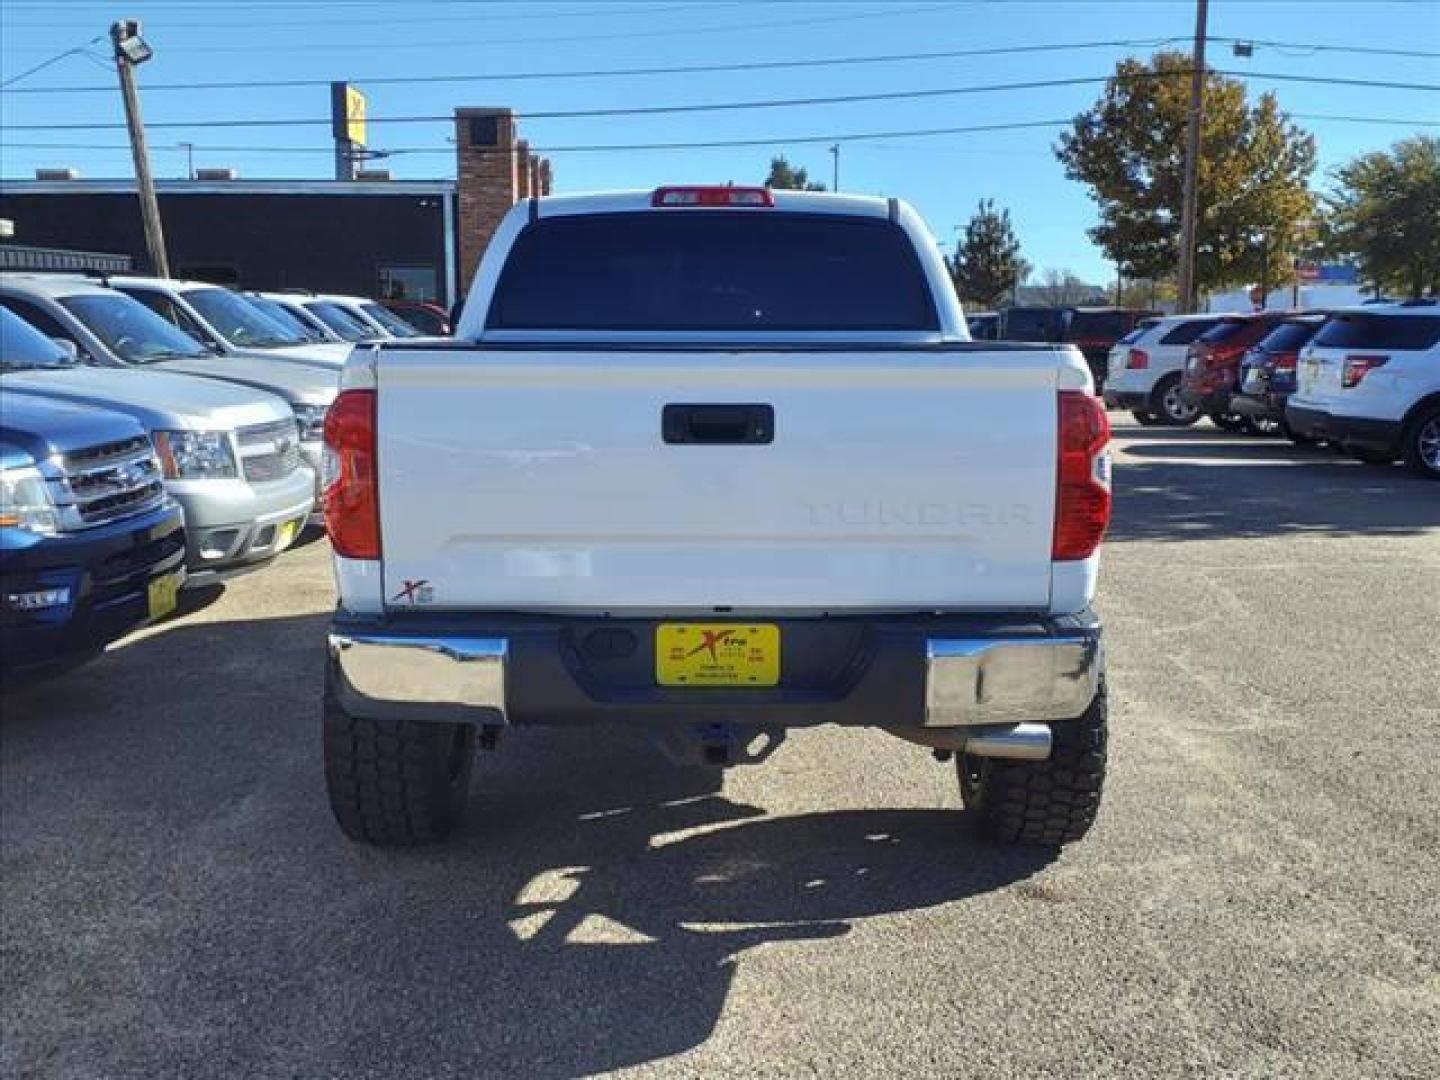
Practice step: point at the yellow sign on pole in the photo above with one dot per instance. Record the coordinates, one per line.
(347, 113)
(354, 115)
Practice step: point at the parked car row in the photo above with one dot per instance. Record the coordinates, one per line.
(1093, 330)
(157, 433)
(1366, 379)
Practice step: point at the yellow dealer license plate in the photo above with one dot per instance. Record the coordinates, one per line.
(717, 654)
(162, 595)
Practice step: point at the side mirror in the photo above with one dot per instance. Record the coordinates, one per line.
(68, 347)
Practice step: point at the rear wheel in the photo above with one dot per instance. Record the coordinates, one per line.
(1422, 443)
(396, 783)
(1145, 419)
(1170, 404)
(1041, 802)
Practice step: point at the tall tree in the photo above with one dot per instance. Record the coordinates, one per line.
(1252, 197)
(1384, 212)
(987, 265)
(785, 176)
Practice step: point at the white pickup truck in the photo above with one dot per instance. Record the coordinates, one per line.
(720, 462)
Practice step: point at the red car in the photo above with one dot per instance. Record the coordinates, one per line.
(431, 319)
(1212, 365)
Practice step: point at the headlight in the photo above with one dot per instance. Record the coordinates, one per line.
(25, 501)
(196, 455)
(311, 419)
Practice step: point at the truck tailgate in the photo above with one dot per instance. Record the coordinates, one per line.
(542, 479)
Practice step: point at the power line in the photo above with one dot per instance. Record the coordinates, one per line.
(590, 12)
(52, 60)
(698, 69)
(601, 73)
(707, 144)
(733, 106)
(1310, 50)
(552, 39)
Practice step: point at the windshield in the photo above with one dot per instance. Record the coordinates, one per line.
(1221, 331)
(696, 270)
(348, 326)
(1188, 331)
(286, 318)
(1138, 332)
(239, 321)
(1288, 337)
(1366, 331)
(22, 347)
(386, 318)
(131, 330)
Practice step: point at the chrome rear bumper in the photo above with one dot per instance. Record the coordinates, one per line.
(993, 691)
(1010, 681)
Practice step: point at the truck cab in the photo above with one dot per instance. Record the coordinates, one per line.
(91, 546)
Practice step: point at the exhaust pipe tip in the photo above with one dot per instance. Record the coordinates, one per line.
(1018, 742)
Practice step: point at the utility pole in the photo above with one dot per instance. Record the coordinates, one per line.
(835, 168)
(189, 159)
(130, 52)
(1188, 216)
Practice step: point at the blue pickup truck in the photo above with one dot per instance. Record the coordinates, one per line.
(90, 544)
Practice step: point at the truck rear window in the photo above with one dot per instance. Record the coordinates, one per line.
(1366, 331)
(728, 270)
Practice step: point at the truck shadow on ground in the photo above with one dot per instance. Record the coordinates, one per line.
(1183, 485)
(576, 923)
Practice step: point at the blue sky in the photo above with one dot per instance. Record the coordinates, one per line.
(943, 175)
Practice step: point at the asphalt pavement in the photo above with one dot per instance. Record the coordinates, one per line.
(1260, 897)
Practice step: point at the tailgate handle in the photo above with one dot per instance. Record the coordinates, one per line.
(718, 425)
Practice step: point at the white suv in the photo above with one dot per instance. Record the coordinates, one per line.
(1370, 381)
(1145, 367)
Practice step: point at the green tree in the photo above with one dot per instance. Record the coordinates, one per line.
(1384, 212)
(987, 265)
(784, 176)
(1252, 196)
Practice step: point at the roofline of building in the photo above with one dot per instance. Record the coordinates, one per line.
(231, 187)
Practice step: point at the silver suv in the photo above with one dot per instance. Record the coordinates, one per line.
(230, 455)
(110, 329)
(230, 323)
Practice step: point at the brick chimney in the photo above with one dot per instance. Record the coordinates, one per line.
(524, 170)
(488, 181)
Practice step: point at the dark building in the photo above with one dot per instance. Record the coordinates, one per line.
(417, 239)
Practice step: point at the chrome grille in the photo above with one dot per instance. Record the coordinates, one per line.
(106, 483)
(269, 451)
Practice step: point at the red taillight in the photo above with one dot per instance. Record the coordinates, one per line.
(352, 491)
(1137, 360)
(1357, 367)
(712, 196)
(1082, 485)
(1286, 361)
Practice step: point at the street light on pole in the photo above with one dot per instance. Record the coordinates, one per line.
(130, 52)
(189, 159)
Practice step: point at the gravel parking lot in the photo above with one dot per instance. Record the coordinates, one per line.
(1260, 897)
